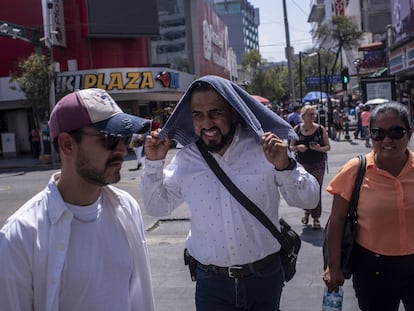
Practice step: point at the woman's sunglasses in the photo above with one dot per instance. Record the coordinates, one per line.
(111, 141)
(395, 132)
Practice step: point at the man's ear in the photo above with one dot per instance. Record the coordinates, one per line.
(66, 143)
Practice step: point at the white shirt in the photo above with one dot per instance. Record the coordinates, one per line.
(35, 250)
(222, 232)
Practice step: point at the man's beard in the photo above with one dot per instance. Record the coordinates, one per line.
(212, 146)
(95, 176)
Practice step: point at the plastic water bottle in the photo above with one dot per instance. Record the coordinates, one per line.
(332, 301)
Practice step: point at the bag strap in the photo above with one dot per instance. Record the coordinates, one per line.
(242, 198)
(353, 202)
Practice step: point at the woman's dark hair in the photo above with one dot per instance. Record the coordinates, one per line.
(392, 106)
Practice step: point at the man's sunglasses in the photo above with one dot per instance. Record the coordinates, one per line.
(111, 140)
(395, 132)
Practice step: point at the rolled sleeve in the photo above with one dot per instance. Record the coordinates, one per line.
(159, 192)
(298, 187)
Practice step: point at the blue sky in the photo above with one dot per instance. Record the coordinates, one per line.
(272, 39)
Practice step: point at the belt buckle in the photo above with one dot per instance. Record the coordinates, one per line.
(232, 271)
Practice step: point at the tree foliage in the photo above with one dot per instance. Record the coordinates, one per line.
(33, 76)
(267, 81)
(337, 34)
(252, 61)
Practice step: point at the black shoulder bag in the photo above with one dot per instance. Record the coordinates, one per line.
(350, 227)
(287, 237)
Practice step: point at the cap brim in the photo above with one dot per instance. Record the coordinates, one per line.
(123, 124)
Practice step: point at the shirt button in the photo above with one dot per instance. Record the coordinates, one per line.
(61, 247)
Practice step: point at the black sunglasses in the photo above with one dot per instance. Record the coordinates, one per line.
(111, 140)
(395, 132)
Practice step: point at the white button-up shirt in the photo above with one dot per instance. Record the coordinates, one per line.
(222, 232)
(34, 244)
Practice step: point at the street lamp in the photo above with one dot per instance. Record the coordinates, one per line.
(357, 63)
(289, 55)
(319, 75)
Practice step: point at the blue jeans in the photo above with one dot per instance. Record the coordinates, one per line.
(259, 291)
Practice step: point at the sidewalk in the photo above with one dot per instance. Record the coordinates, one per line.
(173, 288)
(28, 162)
(24, 162)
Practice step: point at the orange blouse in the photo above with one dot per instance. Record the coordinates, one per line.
(385, 208)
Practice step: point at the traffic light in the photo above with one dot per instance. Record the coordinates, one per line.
(345, 78)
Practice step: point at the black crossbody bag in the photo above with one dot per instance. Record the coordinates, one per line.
(289, 240)
(350, 227)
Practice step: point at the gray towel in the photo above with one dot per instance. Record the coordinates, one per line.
(257, 117)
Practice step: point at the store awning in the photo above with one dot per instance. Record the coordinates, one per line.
(372, 46)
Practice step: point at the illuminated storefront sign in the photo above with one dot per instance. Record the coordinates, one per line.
(124, 80)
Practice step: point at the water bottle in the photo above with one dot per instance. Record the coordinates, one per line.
(332, 301)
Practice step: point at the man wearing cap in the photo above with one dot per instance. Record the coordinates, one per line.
(79, 244)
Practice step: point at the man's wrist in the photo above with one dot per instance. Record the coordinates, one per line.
(291, 165)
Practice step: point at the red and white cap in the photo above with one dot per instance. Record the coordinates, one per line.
(95, 108)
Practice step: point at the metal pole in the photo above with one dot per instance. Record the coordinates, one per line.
(320, 85)
(300, 76)
(52, 95)
(289, 54)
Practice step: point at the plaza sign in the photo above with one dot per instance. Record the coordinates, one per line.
(119, 80)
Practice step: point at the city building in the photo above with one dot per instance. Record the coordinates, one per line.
(368, 60)
(193, 39)
(144, 53)
(243, 21)
(401, 50)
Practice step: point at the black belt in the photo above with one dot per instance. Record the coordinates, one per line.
(241, 271)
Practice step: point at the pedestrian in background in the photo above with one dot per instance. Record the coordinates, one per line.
(294, 118)
(365, 116)
(137, 145)
(310, 149)
(79, 244)
(35, 141)
(338, 122)
(237, 258)
(383, 273)
(359, 130)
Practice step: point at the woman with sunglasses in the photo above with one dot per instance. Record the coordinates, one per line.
(383, 272)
